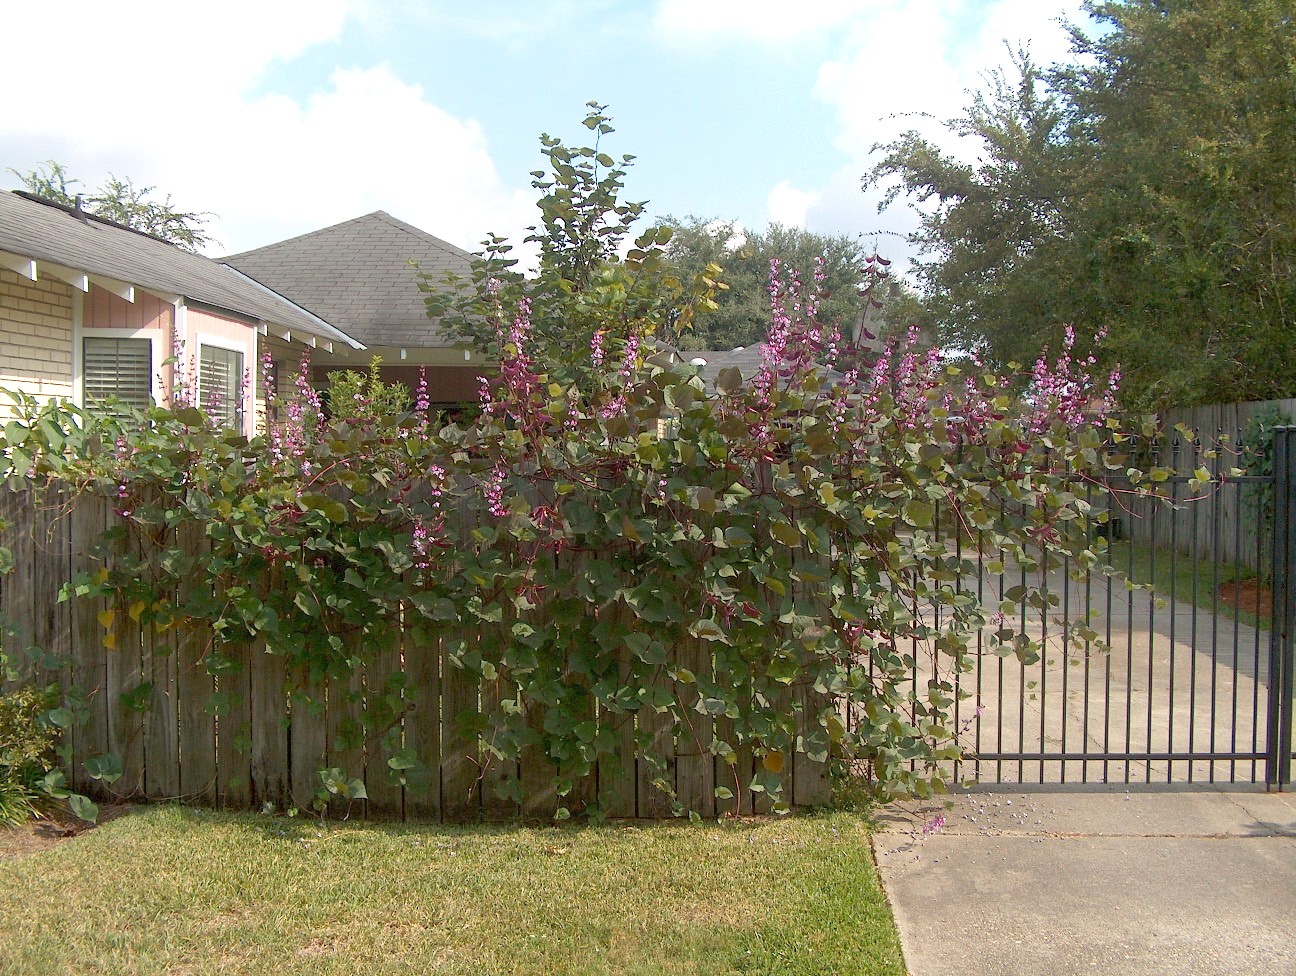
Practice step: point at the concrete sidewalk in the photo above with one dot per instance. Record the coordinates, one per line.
(1058, 880)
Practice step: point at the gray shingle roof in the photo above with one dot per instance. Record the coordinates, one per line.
(357, 275)
(55, 234)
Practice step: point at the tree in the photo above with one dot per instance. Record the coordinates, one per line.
(585, 297)
(743, 258)
(122, 202)
(1148, 188)
(992, 229)
(1189, 211)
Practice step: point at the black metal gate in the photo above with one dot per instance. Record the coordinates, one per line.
(1192, 682)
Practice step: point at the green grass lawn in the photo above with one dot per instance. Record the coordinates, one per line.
(1177, 575)
(174, 890)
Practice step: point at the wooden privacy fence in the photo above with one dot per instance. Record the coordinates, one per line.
(257, 733)
(1224, 525)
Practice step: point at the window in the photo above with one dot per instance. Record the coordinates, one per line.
(121, 368)
(220, 384)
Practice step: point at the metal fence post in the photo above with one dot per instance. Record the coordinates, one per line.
(1282, 633)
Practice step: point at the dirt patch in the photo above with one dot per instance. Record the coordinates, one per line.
(54, 828)
(30, 838)
(1249, 595)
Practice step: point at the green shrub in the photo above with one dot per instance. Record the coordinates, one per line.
(27, 742)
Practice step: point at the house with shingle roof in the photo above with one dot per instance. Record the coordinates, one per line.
(361, 276)
(90, 310)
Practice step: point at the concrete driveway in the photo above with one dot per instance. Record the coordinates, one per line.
(1122, 881)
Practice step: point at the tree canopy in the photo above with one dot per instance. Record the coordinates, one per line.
(741, 316)
(743, 257)
(1147, 188)
(122, 202)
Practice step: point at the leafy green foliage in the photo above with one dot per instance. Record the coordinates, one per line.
(30, 726)
(584, 292)
(612, 549)
(121, 201)
(992, 230)
(1255, 448)
(25, 747)
(28, 738)
(336, 784)
(740, 259)
(353, 395)
(1144, 188)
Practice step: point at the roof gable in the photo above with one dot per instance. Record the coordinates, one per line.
(357, 275)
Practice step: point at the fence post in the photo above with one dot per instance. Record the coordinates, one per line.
(1282, 631)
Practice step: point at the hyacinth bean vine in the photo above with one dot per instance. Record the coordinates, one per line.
(804, 526)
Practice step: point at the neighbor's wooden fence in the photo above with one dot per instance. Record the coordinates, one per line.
(1222, 525)
(258, 733)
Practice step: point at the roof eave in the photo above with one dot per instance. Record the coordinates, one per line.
(32, 267)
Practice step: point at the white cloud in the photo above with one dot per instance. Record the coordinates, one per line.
(923, 56)
(368, 142)
(910, 65)
(766, 20)
(788, 206)
(172, 95)
(731, 233)
(514, 25)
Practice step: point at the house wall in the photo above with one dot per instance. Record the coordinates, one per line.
(41, 322)
(148, 316)
(35, 338)
(104, 310)
(446, 384)
(201, 325)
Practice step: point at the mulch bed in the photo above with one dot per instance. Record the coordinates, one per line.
(1249, 595)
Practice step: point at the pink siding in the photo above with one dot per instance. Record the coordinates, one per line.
(200, 322)
(221, 326)
(104, 310)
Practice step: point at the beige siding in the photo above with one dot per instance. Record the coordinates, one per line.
(35, 338)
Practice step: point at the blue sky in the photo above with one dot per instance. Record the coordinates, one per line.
(282, 116)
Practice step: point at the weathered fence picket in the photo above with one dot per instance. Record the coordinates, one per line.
(384, 723)
(308, 740)
(234, 727)
(195, 686)
(1231, 531)
(268, 732)
(421, 654)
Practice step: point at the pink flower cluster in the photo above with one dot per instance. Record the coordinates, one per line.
(183, 385)
(1066, 390)
(429, 533)
(798, 340)
(630, 359)
(301, 424)
(515, 394)
(911, 384)
(494, 492)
